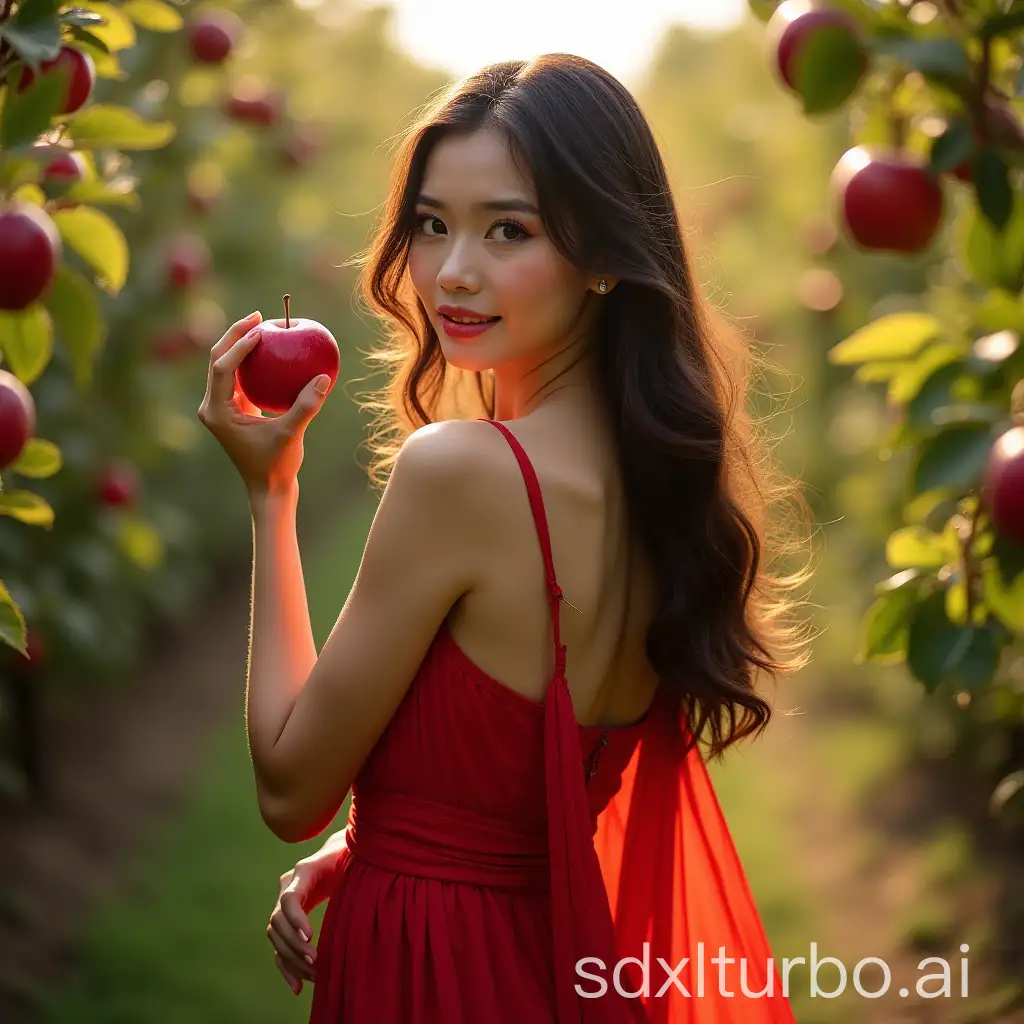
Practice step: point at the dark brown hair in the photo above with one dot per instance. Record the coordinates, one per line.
(697, 468)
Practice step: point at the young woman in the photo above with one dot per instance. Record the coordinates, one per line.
(564, 596)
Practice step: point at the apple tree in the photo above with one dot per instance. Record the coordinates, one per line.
(60, 251)
(932, 176)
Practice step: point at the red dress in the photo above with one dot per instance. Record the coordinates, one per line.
(493, 843)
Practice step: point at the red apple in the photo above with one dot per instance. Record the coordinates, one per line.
(1003, 485)
(17, 417)
(30, 253)
(118, 485)
(290, 353)
(259, 110)
(795, 23)
(887, 200)
(60, 166)
(188, 260)
(213, 35)
(81, 74)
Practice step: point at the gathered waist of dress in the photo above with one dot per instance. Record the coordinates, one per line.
(411, 835)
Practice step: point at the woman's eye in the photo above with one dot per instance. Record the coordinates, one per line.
(518, 232)
(429, 218)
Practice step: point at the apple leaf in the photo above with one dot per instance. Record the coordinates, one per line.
(119, 192)
(28, 114)
(104, 126)
(26, 340)
(897, 336)
(27, 507)
(1005, 600)
(914, 547)
(939, 651)
(934, 393)
(38, 459)
(140, 542)
(99, 241)
(992, 187)
(81, 17)
(886, 625)
(952, 147)
(828, 68)
(34, 32)
(75, 308)
(995, 258)
(952, 460)
(153, 15)
(1002, 24)
(908, 382)
(12, 622)
(83, 35)
(943, 61)
(117, 30)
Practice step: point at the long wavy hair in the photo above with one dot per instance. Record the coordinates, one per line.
(702, 486)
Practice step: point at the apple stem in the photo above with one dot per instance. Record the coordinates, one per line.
(287, 311)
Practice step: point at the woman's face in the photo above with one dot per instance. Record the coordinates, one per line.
(479, 244)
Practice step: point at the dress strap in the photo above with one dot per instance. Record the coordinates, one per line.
(541, 522)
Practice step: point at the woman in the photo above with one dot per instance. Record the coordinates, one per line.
(563, 591)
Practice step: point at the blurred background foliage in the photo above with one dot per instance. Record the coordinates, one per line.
(901, 777)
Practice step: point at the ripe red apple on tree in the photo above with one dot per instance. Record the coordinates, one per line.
(996, 126)
(213, 35)
(796, 23)
(81, 76)
(287, 357)
(117, 485)
(61, 166)
(188, 260)
(30, 253)
(175, 343)
(888, 201)
(261, 109)
(17, 417)
(1003, 485)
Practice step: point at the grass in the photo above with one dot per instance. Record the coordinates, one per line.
(189, 943)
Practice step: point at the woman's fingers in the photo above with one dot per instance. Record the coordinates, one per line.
(291, 909)
(233, 333)
(295, 984)
(289, 951)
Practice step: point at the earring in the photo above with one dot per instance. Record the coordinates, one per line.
(602, 286)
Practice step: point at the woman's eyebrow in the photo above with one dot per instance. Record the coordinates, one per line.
(489, 204)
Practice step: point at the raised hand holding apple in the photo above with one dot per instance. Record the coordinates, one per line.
(266, 451)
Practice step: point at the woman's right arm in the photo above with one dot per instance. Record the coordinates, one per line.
(302, 888)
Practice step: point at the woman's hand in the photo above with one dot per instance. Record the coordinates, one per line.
(302, 888)
(266, 451)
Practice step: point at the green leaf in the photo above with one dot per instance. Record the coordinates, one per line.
(27, 114)
(1002, 24)
(75, 308)
(103, 126)
(935, 392)
(995, 258)
(939, 651)
(38, 459)
(99, 241)
(26, 340)
(12, 622)
(34, 32)
(886, 625)
(908, 382)
(952, 460)
(952, 147)
(119, 192)
(27, 508)
(897, 336)
(81, 17)
(83, 35)
(915, 547)
(140, 542)
(999, 312)
(828, 68)
(942, 60)
(117, 30)
(1005, 601)
(992, 187)
(153, 15)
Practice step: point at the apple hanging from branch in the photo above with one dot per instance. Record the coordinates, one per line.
(1003, 486)
(30, 253)
(17, 417)
(290, 353)
(81, 77)
(213, 35)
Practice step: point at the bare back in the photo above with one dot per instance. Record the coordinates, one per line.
(503, 623)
